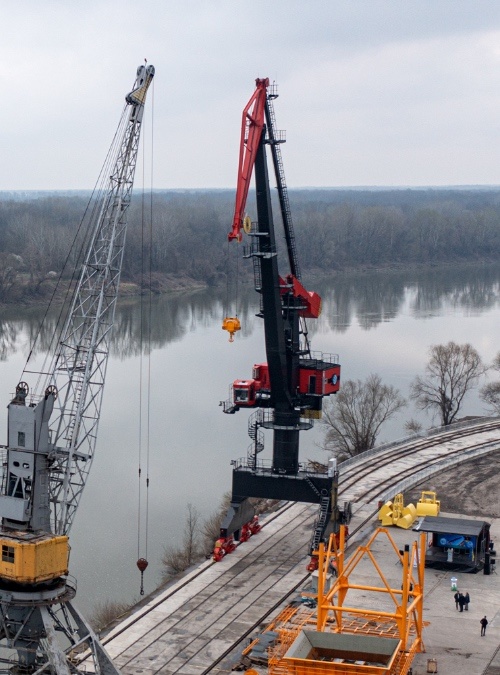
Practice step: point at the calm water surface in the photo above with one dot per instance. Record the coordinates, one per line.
(377, 323)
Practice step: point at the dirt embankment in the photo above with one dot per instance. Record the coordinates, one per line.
(471, 488)
(26, 295)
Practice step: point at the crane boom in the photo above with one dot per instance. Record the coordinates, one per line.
(52, 434)
(252, 123)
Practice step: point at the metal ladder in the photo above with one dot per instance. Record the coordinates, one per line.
(254, 422)
(319, 526)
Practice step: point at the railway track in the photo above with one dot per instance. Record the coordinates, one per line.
(354, 471)
(195, 626)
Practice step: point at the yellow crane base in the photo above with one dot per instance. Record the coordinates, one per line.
(31, 558)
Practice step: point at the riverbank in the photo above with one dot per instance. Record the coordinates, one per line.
(50, 291)
(25, 293)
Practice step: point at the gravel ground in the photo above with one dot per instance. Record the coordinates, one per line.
(472, 488)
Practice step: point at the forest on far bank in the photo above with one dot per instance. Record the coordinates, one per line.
(183, 234)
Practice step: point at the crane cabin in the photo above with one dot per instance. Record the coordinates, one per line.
(317, 376)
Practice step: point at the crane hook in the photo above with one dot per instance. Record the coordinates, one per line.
(231, 324)
(142, 563)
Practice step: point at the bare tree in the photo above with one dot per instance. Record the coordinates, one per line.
(10, 265)
(107, 611)
(490, 393)
(354, 418)
(413, 426)
(177, 559)
(451, 372)
(210, 528)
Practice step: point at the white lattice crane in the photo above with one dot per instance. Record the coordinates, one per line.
(52, 433)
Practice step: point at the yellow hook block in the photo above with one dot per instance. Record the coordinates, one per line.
(231, 324)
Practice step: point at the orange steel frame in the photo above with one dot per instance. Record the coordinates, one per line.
(408, 600)
(334, 615)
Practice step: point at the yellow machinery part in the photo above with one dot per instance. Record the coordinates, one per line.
(29, 559)
(408, 517)
(247, 224)
(231, 324)
(396, 513)
(398, 506)
(385, 514)
(428, 504)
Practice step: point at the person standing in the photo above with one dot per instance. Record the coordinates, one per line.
(461, 601)
(484, 623)
(457, 596)
(467, 600)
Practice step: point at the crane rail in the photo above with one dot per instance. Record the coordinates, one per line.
(195, 626)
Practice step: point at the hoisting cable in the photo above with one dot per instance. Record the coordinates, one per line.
(79, 244)
(146, 298)
(150, 307)
(142, 563)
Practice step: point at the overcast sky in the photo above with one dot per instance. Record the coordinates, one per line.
(372, 92)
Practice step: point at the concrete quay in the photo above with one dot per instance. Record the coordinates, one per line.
(453, 638)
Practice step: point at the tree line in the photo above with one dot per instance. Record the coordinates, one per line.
(183, 234)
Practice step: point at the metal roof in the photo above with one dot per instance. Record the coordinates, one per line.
(451, 525)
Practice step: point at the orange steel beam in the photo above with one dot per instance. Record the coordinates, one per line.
(408, 601)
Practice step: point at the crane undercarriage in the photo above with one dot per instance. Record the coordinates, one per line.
(41, 631)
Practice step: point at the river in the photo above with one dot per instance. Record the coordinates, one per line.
(169, 396)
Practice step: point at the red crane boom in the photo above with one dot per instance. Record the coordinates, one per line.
(251, 131)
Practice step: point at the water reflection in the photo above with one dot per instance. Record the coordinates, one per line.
(371, 298)
(368, 298)
(475, 289)
(8, 336)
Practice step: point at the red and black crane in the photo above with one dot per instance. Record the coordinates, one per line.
(288, 390)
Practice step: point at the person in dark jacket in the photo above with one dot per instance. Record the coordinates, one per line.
(461, 601)
(456, 596)
(467, 600)
(484, 623)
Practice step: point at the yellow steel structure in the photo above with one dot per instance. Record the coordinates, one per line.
(348, 635)
(428, 504)
(396, 513)
(30, 558)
